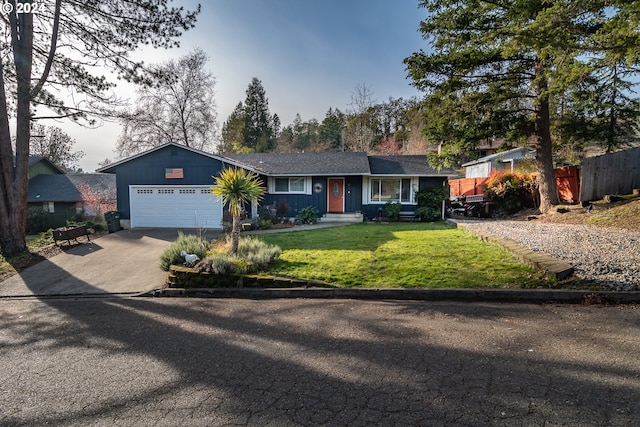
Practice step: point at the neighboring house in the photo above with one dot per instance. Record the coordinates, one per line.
(39, 165)
(63, 196)
(169, 186)
(509, 160)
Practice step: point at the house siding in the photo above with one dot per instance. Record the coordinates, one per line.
(62, 212)
(424, 183)
(42, 168)
(150, 170)
(297, 202)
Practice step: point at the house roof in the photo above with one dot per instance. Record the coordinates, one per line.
(523, 150)
(69, 188)
(305, 164)
(111, 168)
(325, 163)
(405, 165)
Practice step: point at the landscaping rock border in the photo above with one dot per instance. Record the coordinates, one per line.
(551, 266)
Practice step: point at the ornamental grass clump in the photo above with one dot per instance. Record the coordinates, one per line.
(252, 256)
(188, 243)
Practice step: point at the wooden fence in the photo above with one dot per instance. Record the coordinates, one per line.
(615, 173)
(466, 186)
(568, 183)
(567, 180)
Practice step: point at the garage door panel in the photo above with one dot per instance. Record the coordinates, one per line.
(173, 207)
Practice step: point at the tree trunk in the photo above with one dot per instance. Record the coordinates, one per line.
(543, 146)
(15, 179)
(235, 234)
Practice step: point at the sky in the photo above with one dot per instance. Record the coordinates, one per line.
(309, 55)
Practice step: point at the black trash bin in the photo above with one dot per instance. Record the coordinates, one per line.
(113, 221)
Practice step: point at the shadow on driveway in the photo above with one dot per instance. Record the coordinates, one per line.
(126, 262)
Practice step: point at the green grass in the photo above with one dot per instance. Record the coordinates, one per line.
(408, 255)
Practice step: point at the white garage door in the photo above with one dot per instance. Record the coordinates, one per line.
(174, 206)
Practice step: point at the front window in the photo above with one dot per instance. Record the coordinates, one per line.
(385, 190)
(289, 185)
(48, 207)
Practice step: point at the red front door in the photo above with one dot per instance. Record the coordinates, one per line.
(336, 195)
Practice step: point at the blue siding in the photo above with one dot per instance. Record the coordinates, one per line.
(424, 183)
(297, 202)
(150, 170)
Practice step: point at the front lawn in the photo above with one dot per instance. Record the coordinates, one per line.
(395, 255)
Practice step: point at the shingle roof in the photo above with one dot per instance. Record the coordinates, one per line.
(69, 188)
(405, 165)
(326, 163)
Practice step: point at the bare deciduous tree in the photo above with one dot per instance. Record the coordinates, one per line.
(180, 109)
(358, 134)
(54, 144)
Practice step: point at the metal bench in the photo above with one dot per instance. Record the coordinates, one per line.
(69, 233)
(407, 216)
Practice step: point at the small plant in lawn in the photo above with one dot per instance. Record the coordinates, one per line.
(392, 210)
(309, 215)
(189, 243)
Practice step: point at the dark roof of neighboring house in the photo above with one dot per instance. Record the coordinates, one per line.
(405, 165)
(69, 188)
(325, 163)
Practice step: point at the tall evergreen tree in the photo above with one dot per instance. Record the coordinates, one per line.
(331, 128)
(233, 132)
(495, 67)
(258, 131)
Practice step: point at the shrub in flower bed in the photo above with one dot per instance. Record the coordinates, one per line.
(188, 243)
(511, 191)
(253, 256)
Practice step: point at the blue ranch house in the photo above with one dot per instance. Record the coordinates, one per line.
(169, 186)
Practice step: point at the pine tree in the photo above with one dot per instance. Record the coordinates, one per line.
(496, 68)
(62, 46)
(258, 131)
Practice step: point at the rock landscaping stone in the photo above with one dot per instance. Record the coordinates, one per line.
(607, 256)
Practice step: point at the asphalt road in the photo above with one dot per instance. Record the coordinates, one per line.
(170, 362)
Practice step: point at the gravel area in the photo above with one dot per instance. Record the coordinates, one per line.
(608, 256)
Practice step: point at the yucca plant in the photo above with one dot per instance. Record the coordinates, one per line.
(235, 187)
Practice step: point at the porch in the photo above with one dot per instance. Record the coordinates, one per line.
(347, 217)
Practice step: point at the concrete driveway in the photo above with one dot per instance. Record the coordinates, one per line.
(126, 262)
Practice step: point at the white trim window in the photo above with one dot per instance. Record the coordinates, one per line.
(289, 185)
(383, 190)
